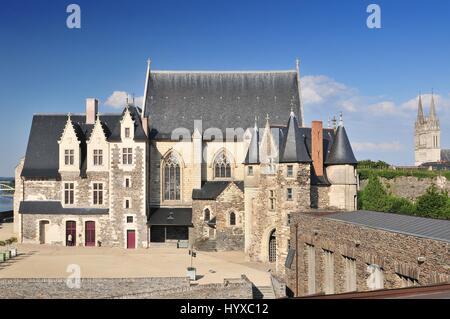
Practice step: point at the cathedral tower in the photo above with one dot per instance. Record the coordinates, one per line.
(427, 135)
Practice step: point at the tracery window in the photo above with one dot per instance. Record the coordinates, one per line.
(222, 167)
(171, 178)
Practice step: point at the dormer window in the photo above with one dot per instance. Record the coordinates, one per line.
(98, 157)
(69, 157)
(127, 132)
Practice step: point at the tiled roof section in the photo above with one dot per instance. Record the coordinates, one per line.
(55, 208)
(445, 155)
(341, 151)
(139, 134)
(42, 156)
(220, 99)
(210, 190)
(409, 225)
(170, 217)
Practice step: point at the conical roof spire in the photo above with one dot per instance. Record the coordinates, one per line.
(294, 149)
(420, 117)
(252, 156)
(432, 116)
(341, 151)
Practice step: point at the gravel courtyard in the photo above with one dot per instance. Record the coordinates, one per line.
(41, 261)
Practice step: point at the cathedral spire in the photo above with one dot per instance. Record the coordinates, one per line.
(420, 117)
(432, 116)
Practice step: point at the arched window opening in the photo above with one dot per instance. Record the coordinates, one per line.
(273, 247)
(222, 167)
(172, 178)
(232, 219)
(206, 215)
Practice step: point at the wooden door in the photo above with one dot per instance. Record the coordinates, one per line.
(89, 236)
(71, 233)
(131, 239)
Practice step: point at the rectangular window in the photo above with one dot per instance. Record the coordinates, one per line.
(250, 171)
(350, 274)
(328, 278)
(129, 219)
(288, 219)
(290, 171)
(98, 194)
(127, 132)
(69, 193)
(127, 156)
(127, 183)
(311, 255)
(127, 203)
(98, 157)
(272, 200)
(289, 194)
(69, 157)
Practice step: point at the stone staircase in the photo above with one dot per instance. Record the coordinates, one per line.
(263, 292)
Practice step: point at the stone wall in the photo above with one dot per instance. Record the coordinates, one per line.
(320, 197)
(411, 187)
(227, 237)
(265, 220)
(90, 288)
(395, 253)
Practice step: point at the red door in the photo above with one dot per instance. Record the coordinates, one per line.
(71, 233)
(89, 235)
(131, 239)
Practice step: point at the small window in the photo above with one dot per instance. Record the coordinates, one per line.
(232, 219)
(129, 219)
(69, 193)
(127, 156)
(289, 194)
(250, 171)
(127, 182)
(288, 219)
(98, 194)
(207, 215)
(98, 157)
(290, 171)
(272, 200)
(127, 203)
(127, 132)
(69, 157)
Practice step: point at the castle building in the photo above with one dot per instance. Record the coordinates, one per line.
(427, 137)
(217, 160)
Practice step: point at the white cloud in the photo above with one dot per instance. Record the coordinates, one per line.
(382, 108)
(381, 147)
(118, 99)
(320, 88)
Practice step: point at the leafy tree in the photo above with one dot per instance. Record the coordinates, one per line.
(434, 203)
(374, 196)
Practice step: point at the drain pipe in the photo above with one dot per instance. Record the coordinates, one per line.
(296, 260)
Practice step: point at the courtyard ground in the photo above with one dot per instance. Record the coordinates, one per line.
(44, 261)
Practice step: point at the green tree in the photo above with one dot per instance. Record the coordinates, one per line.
(434, 203)
(374, 196)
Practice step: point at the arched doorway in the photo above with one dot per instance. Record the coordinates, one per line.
(273, 247)
(43, 230)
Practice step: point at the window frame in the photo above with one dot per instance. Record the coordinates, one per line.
(69, 193)
(69, 157)
(127, 156)
(97, 194)
(98, 157)
(289, 194)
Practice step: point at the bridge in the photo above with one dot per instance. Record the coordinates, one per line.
(6, 190)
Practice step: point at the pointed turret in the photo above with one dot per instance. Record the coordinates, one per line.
(432, 116)
(341, 151)
(294, 149)
(420, 117)
(253, 149)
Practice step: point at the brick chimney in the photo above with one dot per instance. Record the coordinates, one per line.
(91, 110)
(317, 146)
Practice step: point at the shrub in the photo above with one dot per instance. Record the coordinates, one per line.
(2, 243)
(401, 206)
(434, 203)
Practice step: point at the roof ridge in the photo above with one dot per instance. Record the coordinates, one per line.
(223, 71)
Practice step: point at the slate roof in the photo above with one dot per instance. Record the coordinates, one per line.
(404, 224)
(220, 99)
(170, 217)
(42, 155)
(210, 190)
(55, 208)
(293, 147)
(341, 151)
(445, 155)
(139, 134)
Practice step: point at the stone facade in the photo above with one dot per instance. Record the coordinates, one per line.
(222, 235)
(403, 259)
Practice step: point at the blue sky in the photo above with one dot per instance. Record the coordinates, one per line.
(373, 76)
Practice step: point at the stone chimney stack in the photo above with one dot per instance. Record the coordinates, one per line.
(317, 147)
(91, 110)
